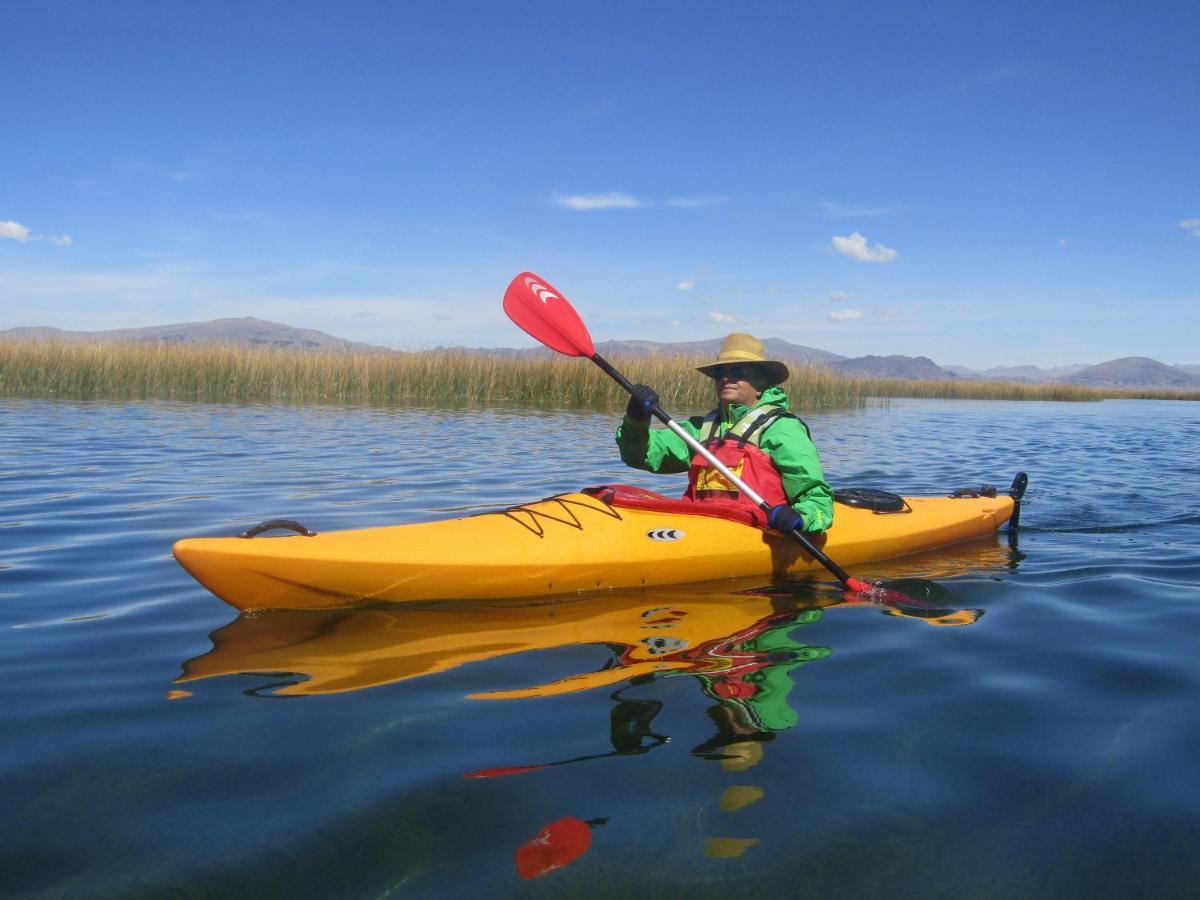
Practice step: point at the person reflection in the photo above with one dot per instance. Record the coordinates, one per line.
(751, 687)
(750, 678)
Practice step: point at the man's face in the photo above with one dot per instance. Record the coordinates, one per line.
(736, 384)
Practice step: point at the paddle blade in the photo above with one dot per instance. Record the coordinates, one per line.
(542, 312)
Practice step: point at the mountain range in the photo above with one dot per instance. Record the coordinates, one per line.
(255, 332)
(1128, 373)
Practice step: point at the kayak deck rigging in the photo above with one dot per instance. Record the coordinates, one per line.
(533, 514)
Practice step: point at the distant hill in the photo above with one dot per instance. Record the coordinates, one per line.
(1022, 374)
(1136, 373)
(255, 332)
(1028, 374)
(915, 368)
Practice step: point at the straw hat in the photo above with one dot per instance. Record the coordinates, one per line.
(746, 349)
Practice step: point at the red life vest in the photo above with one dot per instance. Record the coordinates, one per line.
(738, 450)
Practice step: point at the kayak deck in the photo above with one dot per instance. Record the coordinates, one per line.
(561, 545)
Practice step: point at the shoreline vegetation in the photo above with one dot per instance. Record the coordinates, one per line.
(219, 373)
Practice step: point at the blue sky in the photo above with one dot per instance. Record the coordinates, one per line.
(983, 184)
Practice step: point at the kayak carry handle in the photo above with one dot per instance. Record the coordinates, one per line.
(275, 524)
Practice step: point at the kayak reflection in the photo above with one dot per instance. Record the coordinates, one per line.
(740, 643)
(733, 636)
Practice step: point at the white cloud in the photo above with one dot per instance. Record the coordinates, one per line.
(839, 296)
(17, 232)
(1191, 226)
(724, 318)
(686, 285)
(14, 231)
(855, 246)
(844, 315)
(590, 202)
(618, 200)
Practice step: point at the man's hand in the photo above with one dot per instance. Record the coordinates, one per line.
(784, 518)
(642, 401)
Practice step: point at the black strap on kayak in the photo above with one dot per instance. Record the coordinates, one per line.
(277, 524)
(879, 502)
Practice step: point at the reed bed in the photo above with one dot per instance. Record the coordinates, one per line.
(237, 374)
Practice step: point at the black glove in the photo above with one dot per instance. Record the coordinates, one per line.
(784, 518)
(642, 400)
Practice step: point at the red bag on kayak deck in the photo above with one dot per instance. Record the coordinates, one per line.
(558, 844)
(630, 497)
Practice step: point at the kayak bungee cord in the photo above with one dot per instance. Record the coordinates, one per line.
(534, 526)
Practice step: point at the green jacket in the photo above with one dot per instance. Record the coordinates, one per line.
(785, 440)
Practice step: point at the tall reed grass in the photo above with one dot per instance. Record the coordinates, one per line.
(237, 374)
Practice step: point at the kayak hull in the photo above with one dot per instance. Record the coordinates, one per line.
(562, 545)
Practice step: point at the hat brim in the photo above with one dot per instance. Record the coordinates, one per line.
(775, 372)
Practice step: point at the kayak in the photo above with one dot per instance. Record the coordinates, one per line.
(606, 538)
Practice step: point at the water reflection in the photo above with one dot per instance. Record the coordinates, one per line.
(742, 644)
(735, 638)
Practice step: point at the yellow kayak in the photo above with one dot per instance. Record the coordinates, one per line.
(564, 544)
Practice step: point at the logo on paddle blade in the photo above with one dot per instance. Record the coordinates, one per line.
(540, 291)
(665, 534)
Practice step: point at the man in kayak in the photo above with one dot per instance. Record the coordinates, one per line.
(752, 431)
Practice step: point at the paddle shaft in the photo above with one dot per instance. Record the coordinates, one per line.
(837, 571)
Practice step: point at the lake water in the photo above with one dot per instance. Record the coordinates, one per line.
(796, 746)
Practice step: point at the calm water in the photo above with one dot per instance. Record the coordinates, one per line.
(788, 745)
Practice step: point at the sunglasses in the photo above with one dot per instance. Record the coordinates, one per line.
(732, 373)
